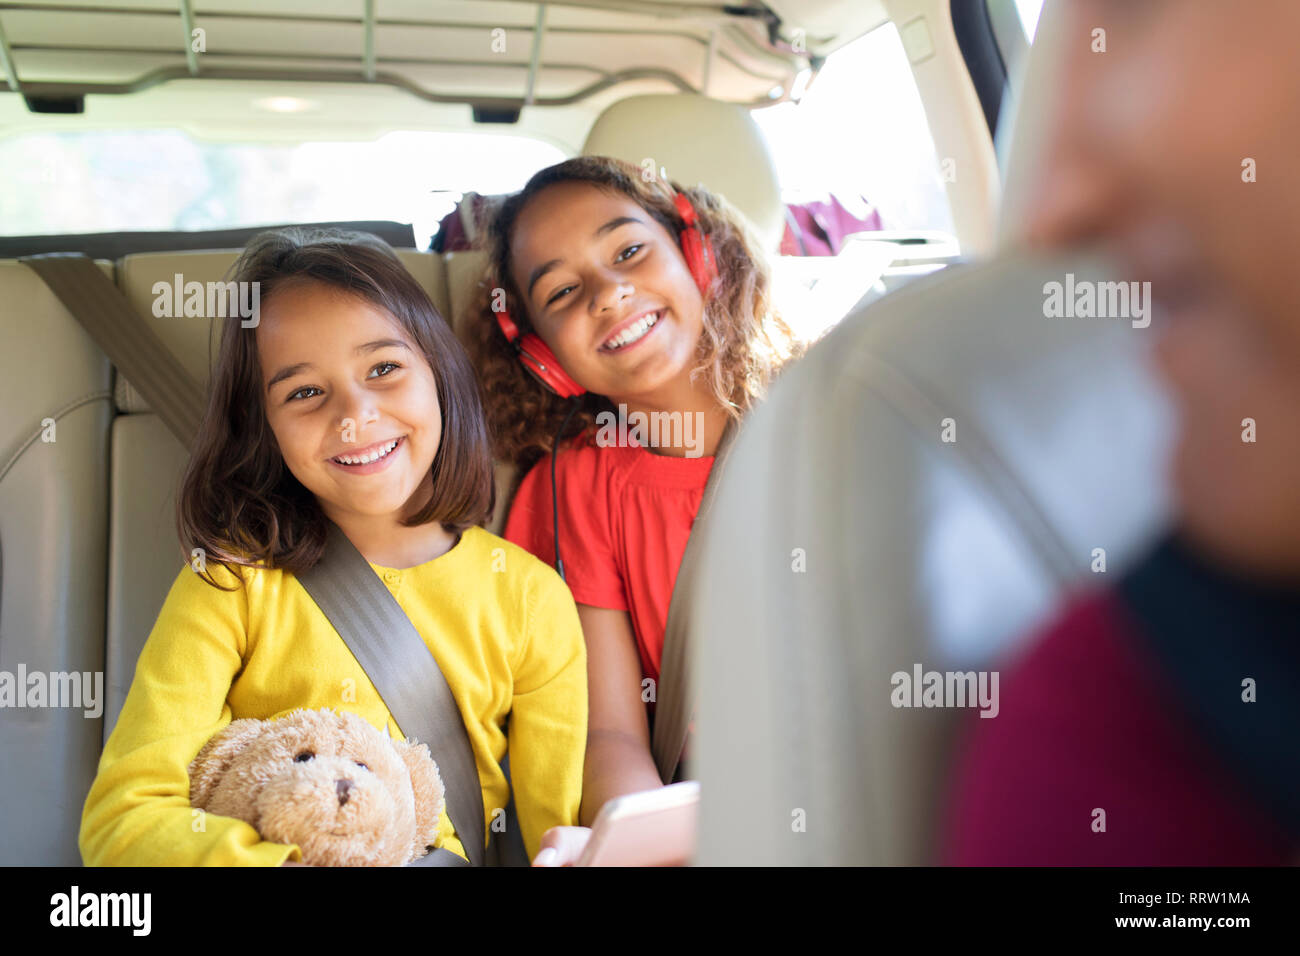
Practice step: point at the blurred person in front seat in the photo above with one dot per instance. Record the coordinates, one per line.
(1153, 723)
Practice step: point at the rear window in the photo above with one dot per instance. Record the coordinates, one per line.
(859, 133)
(97, 181)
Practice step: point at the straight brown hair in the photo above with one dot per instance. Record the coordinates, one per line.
(238, 501)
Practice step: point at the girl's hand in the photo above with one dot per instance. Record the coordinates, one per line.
(562, 846)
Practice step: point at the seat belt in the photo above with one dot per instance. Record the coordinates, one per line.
(675, 701)
(343, 585)
(130, 344)
(400, 665)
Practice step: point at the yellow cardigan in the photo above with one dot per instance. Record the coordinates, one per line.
(504, 630)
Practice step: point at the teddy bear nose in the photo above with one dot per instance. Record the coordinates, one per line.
(342, 788)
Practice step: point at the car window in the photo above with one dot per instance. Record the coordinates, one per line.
(860, 133)
(104, 181)
(1029, 11)
(856, 163)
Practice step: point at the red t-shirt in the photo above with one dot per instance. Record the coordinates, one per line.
(625, 516)
(1088, 721)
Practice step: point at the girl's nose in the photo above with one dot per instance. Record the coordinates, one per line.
(358, 409)
(609, 294)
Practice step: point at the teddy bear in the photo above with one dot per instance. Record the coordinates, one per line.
(345, 793)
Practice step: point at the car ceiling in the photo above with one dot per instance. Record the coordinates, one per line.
(363, 67)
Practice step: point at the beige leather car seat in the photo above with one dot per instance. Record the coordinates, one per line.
(852, 540)
(56, 392)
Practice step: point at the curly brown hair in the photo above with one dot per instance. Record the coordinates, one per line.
(744, 344)
(238, 502)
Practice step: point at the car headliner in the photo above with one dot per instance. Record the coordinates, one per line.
(365, 67)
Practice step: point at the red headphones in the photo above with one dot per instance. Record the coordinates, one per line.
(541, 361)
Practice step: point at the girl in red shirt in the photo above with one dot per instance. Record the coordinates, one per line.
(627, 322)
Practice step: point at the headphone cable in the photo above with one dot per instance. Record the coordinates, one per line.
(555, 508)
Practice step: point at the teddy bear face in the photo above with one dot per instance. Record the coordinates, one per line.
(331, 783)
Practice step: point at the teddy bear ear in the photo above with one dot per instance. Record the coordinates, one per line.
(216, 756)
(426, 783)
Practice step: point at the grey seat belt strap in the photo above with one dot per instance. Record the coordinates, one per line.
(134, 349)
(675, 701)
(441, 857)
(400, 665)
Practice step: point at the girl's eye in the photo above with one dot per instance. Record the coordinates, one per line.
(308, 388)
(304, 756)
(623, 256)
(558, 294)
(361, 765)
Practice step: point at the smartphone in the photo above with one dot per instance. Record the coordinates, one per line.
(653, 828)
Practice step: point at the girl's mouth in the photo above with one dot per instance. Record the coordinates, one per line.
(633, 334)
(373, 459)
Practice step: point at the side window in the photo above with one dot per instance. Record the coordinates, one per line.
(863, 187)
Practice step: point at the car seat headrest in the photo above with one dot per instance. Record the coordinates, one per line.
(682, 133)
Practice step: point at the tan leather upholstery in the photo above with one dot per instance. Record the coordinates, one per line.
(681, 132)
(53, 568)
(915, 550)
(144, 553)
(193, 341)
(463, 272)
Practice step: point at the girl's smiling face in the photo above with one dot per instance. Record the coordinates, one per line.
(343, 380)
(607, 288)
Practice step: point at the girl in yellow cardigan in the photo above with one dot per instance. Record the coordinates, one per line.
(347, 399)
